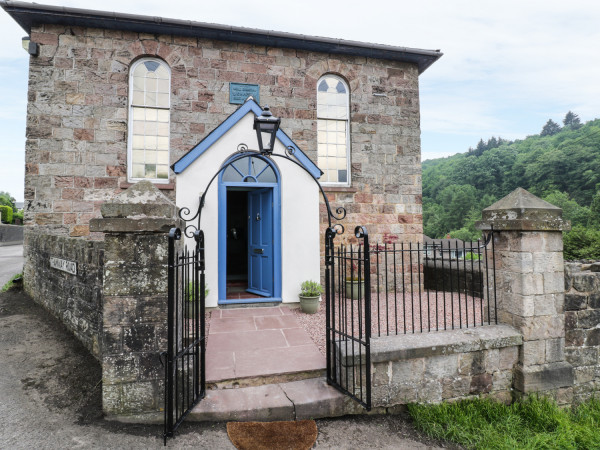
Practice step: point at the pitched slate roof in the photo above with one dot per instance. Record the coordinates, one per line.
(29, 14)
(249, 105)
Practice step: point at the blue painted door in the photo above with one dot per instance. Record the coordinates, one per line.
(260, 242)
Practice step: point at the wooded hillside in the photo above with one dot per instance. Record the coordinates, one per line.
(561, 165)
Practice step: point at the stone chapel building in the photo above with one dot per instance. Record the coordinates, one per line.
(115, 99)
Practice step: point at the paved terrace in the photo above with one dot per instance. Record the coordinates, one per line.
(248, 343)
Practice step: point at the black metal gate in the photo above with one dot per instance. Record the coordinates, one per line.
(348, 316)
(185, 374)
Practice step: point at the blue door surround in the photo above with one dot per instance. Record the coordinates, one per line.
(273, 190)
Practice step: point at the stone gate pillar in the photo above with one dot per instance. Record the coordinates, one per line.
(530, 288)
(136, 223)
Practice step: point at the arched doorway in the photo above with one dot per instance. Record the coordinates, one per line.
(249, 231)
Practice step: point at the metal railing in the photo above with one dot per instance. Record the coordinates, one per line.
(416, 288)
(184, 359)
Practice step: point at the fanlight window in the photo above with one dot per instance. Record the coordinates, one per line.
(149, 121)
(333, 129)
(250, 170)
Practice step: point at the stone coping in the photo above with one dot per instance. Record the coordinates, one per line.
(424, 345)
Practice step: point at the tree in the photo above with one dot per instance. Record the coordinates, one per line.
(594, 218)
(6, 199)
(550, 128)
(572, 121)
(481, 147)
(571, 210)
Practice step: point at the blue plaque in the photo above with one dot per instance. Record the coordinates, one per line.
(239, 92)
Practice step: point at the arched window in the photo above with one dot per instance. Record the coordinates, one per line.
(333, 130)
(250, 170)
(149, 121)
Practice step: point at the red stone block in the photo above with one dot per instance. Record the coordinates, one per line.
(116, 171)
(44, 38)
(105, 183)
(81, 134)
(232, 56)
(150, 47)
(225, 75)
(262, 79)
(63, 63)
(305, 114)
(197, 128)
(405, 218)
(32, 169)
(63, 182)
(254, 68)
(72, 194)
(363, 198)
(82, 182)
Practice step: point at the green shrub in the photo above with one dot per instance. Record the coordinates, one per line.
(7, 214)
(472, 256)
(191, 291)
(582, 243)
(18, 215)
(310, 289)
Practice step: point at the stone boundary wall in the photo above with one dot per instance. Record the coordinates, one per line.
(446, 365)
(582, 327)
(11, 234)
(76, 300)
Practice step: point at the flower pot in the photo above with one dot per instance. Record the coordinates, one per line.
(354, 288)
(189, 310)
(309, 305)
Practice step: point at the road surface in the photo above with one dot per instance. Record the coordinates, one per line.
(11, 262)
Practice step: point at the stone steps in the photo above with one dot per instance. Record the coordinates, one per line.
(296, 400)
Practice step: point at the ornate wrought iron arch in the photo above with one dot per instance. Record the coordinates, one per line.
(243, 152)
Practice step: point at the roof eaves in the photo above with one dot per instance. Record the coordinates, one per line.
(28, 14)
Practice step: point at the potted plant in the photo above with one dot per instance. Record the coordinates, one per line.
(355, 287)
(310, 292)
(190, 300)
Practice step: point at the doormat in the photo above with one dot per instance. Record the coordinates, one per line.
(297, 435)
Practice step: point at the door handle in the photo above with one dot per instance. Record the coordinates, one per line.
(260, 251)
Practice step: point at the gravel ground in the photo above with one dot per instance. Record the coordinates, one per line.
(50, 391)
(436, 311)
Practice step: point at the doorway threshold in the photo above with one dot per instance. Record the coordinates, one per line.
(259, 301)
(265, 304)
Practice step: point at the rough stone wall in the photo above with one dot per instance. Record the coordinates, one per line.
(135, 223)
(582, 327)
(448, 365)
(76, 147)
(11, 234)
(76, 300)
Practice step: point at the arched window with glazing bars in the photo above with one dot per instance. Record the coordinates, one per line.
(333, 130)
(149, 121)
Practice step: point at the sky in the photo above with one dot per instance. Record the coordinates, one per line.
(508, 65)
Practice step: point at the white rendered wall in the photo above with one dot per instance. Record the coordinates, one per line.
(300, 256)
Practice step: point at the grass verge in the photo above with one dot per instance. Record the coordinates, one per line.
(533, 423)
(10, 283)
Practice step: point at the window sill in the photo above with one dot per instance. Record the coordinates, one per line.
(162, 187)
(339, 189)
